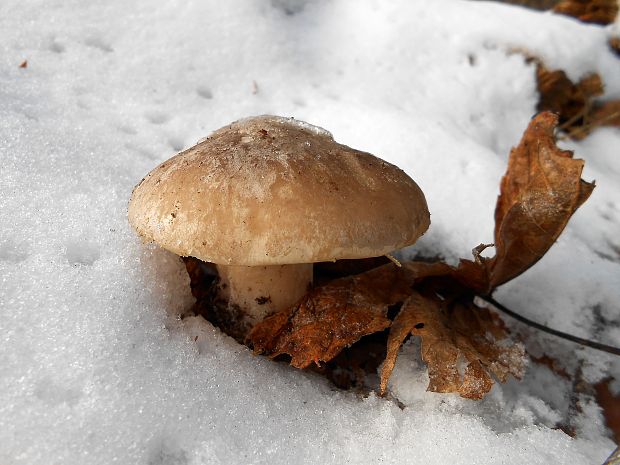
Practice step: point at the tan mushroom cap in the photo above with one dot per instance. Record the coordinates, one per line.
(270, 191)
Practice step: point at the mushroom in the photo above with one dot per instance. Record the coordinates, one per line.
(266, 197)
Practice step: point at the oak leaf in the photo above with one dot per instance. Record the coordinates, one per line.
(462, 345)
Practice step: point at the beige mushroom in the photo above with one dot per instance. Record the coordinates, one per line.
(266, 197)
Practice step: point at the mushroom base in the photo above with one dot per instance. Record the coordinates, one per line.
(254, 292)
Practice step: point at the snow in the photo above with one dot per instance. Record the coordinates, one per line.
(95, 364)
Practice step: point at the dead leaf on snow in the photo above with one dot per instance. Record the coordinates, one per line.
(540, 191)
(572, 102)
(575, 103)
(463, 346)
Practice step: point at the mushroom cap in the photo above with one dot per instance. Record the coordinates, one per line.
(269, 190)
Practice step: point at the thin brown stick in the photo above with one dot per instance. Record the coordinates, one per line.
(589, 126)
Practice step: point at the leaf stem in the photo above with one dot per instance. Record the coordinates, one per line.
(579, 340)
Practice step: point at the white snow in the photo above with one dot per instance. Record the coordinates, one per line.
(95, 365)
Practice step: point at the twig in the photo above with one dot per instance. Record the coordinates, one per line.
(555, 332)
(589, 126)
(583, 113)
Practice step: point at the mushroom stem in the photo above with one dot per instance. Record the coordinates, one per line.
(257, 291)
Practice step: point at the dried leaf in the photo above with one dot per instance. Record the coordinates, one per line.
(332, 317)
(201, 275)
(325, 272)
(606, 114)
(589, 11)
(540, 191)
(416, 271)
(609, 399)
(578, 111)
(572, 102)
(474, 274)
(463, 345)
(599, 114)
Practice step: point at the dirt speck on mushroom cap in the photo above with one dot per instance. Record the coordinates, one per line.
(270, 190)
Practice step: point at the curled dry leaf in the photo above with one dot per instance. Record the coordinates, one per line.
(607, 113)
(540, 191)
(558, 94)
(575, 104)
(332, 317)
(463, 345)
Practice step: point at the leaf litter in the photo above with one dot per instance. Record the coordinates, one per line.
(576, 104)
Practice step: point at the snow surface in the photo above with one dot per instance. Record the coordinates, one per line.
(97, 367)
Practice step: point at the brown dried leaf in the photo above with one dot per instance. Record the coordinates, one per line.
(540, 191)
(474, 274)
(332, 317)
(461, 344)
(609, 399)
(589, 11)
(201, 275)
(572, 102)
(578, 111)
(599, 114)
(606, 114)
(416, 271)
